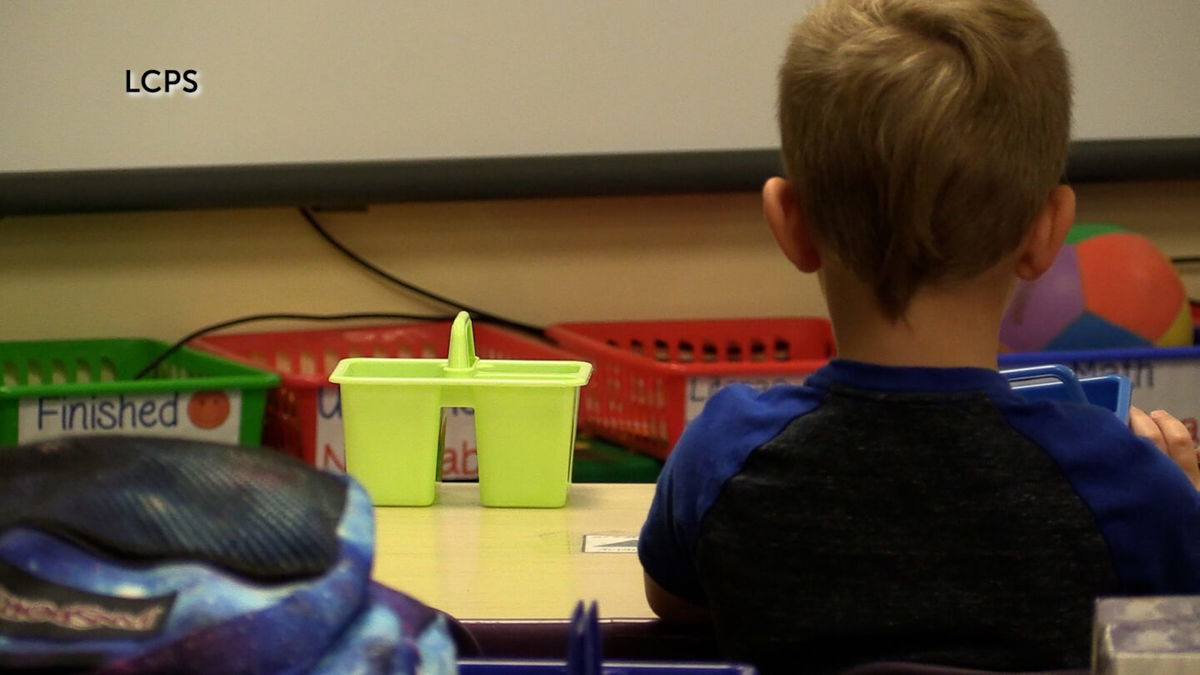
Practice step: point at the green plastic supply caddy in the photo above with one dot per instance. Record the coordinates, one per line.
(525, 415)
(75, 387)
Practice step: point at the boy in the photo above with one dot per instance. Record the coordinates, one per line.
(904, 504)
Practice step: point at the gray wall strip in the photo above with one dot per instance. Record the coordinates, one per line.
(352, 184)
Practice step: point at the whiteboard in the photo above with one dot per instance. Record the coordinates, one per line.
(308, 81)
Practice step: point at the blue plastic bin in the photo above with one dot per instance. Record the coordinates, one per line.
(515, 667)
(584, 657)
(1107, 391)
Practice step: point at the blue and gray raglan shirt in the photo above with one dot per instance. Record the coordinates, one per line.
(914, 513)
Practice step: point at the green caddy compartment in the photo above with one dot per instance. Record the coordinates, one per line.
(75, 387)
(525, 416)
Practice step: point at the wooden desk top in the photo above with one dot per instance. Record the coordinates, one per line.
(487, 563)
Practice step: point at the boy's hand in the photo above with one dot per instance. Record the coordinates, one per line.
(1170, 436)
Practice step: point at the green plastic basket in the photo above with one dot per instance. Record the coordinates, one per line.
(75, 387)
(525, 414)
(597, 461)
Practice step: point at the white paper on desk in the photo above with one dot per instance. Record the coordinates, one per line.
(610, 543)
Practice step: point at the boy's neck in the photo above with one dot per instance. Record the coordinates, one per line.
(944, 327)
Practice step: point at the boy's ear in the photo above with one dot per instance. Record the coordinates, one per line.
(1046, 235)
(790, 225)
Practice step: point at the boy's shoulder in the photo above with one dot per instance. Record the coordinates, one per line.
(1145, 506)
(735, 421)
(1075, 432)
(1089, 443)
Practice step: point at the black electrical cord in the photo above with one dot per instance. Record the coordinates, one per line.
(263, 317)
(478, 313)
(1188, 260)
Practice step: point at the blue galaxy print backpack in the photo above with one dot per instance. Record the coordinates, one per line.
(147, 555)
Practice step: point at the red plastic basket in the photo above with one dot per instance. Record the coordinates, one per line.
(303, 415)
(652, 377)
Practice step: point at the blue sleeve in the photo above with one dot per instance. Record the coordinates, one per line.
(735, 422)
(1145, 506)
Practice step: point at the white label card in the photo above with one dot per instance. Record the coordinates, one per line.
(199, 415)
(1168, 384)
(702, 388)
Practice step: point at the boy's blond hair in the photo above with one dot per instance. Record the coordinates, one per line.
(923, 136)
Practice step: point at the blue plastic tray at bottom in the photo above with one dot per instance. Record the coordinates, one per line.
(471, 667)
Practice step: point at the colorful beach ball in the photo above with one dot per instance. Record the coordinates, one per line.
(1107, 288)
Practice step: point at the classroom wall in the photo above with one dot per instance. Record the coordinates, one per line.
(163, 274)
(319, 81)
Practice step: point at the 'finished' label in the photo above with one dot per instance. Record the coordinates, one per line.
(199, 415)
